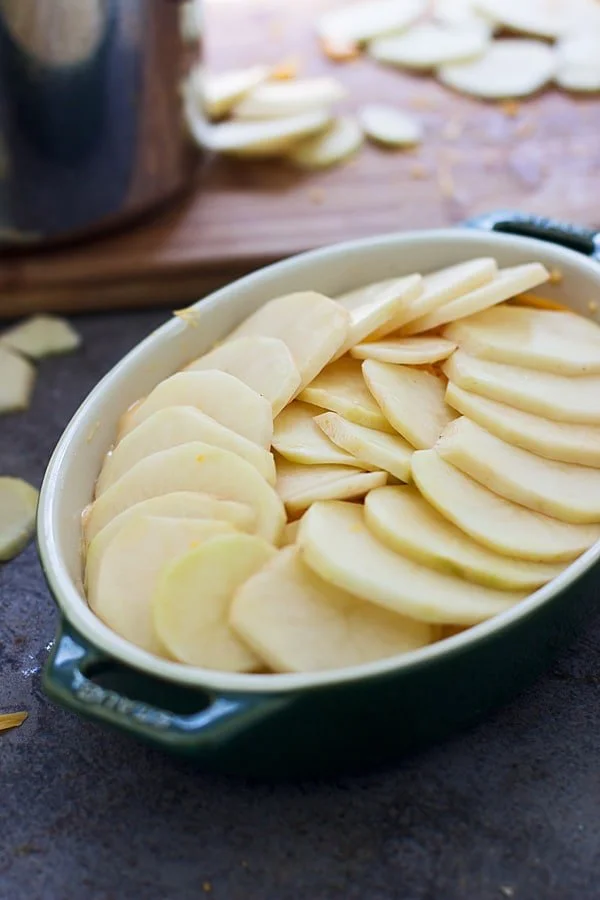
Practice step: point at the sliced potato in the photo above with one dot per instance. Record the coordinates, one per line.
(411, 399)
(403, 520)
(299, 486)
(263, 363)
(493, 521)
(367, 446)
(556, 397)
(299, 623)
(300, 440)
(341, 388)
(219, 92)
(390, 126)
(18, 504)
(462, 13)
(578, 62)
(193, 597)
(430, 44)
(360, 22)
(41, 336)
(508, 68)
(274, 99)
(543, 18)
(408, 351)
(17, 379)
(333, 145)
(196, 467)
(290, 533)
(338, 546)
(221, 396)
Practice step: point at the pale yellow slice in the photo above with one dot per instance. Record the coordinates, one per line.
(403, 520)
(493, 521)
(299, 486)
(41, 336)
(429, 44)
(507, 69)
(196, 467)
(555, 397)
(18, 504)
(289, 533)
(338, 546)
(362, 21)
(265, 364)
(390, 126)
(333, 145)
(378, 450)
(299, 623)
(298, 438)
(171, 427)
(218, 92)
(411, 399)
(17, 380)
(341, 388)
(193, 597)
(409, 351)
(292, 97)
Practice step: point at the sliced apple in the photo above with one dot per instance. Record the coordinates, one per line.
(299, 486)
(493, 521)
(273, 99)
(555, 397)
(17, 380)
(416, 351)
(218, 394)
(41, 336)
(405, 522)
(196, 467)
(411, 399)
(298, 622)
(299, 439)
(341, 388)
(18, 504)
(378, 450)
(338, 546)
(193, 597)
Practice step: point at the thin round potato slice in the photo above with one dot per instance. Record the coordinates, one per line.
(299, 486)
(17, 380)
(378, 450)
(341, 388)
(462, 13)
(493, 521)
(390, 126)
(338, 142)
(196, 467)
(18, 505)
(406, 523)
(219, 92)
(274, 99)
(416, 351)
(508, 68)
(578, 62)
(411, 399)
(299, 439)
(360, 22)
(543, 18)
(299, 623)
(338, 546)
(193, 597)
(430, 44)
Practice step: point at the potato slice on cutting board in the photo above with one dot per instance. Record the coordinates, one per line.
(405, 522)
(41, 336)
(578, 62)
(360, 22)
(218, 92)
(18, 505)
(338, 546)
(196, 467)
(559, 342)
(299, 486)
(507, 69)
(299, 623)
(341, 388)
(193, 597)
(299, 439)
(273, 99)
(265, 364)
(410, 351)
(218, 394)
(313, 326)
(430, 44)
(493, 521)
(171, 427)
(555, 397)
(411, 399)
(543, 18)
(379, 450)
(17, 379)
(390, 126)
(554, 440)
(505, 284)
(334, 144)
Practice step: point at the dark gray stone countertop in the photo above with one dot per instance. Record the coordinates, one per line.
(510, 809)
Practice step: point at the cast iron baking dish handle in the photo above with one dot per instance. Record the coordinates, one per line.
(575, 237)
(68, 675)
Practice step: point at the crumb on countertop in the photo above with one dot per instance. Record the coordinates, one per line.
(510, 108)
(316, 195)
(338, 50)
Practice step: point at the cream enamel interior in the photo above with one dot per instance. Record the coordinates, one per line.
(75, 463)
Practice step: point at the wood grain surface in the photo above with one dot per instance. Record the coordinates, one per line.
(541, 155)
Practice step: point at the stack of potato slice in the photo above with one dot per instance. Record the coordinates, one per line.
(420, 482)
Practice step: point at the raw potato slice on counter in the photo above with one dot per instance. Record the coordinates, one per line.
(299, 439)
(360, 22)
(565, 491)
(219, 92)
(299, 623)
(313, 327)
(555, 397)
(126, 573)
(18, 504)
(554, 440)
(338, 546)
(462, 13)
(274, 99)
(171, 427)
(543, 18)
(191, 467)
(379, 450)
(411, 399)
(430, 44)
(416, 351)
(403, 520)
(221, 396)
(493, 521)
(578, 63)
(508, 68)
(558, 342)
(341, 388)
(193, 597)
(263, 363)
(333, 145)
(505, 284)
(17, 379)
(390, 126)
(299, 486)
(41, 336)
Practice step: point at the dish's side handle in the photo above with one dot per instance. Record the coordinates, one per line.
(575, 237)
(220, 715)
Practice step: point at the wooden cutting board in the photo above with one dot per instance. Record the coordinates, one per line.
(541, 155)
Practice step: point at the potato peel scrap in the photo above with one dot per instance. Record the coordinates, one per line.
(12, 720)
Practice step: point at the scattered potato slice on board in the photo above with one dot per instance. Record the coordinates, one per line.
(508, 68)
(190, 22)
(493, 521)
(543, 18)
(390, 126)
(505, 284)
(463, 14)
(18, 505)
(263, 363)
(193, 597)
(299, 486)
(338, 546)
(313, 326)
(341, 388)
(171, 427)
(578, 62)
(409, 351)
(299, 439)
(191, 467)
(411, 399)
(360, 22)
(274, 99)
(299, 623)
(430, 44)
(371, 308)
(41, 336)
(17, 378)
(333, 145)
(379, 450)
(554, 440)
(221, 396)
(555, 397)
(403, 520)
(219, 92)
